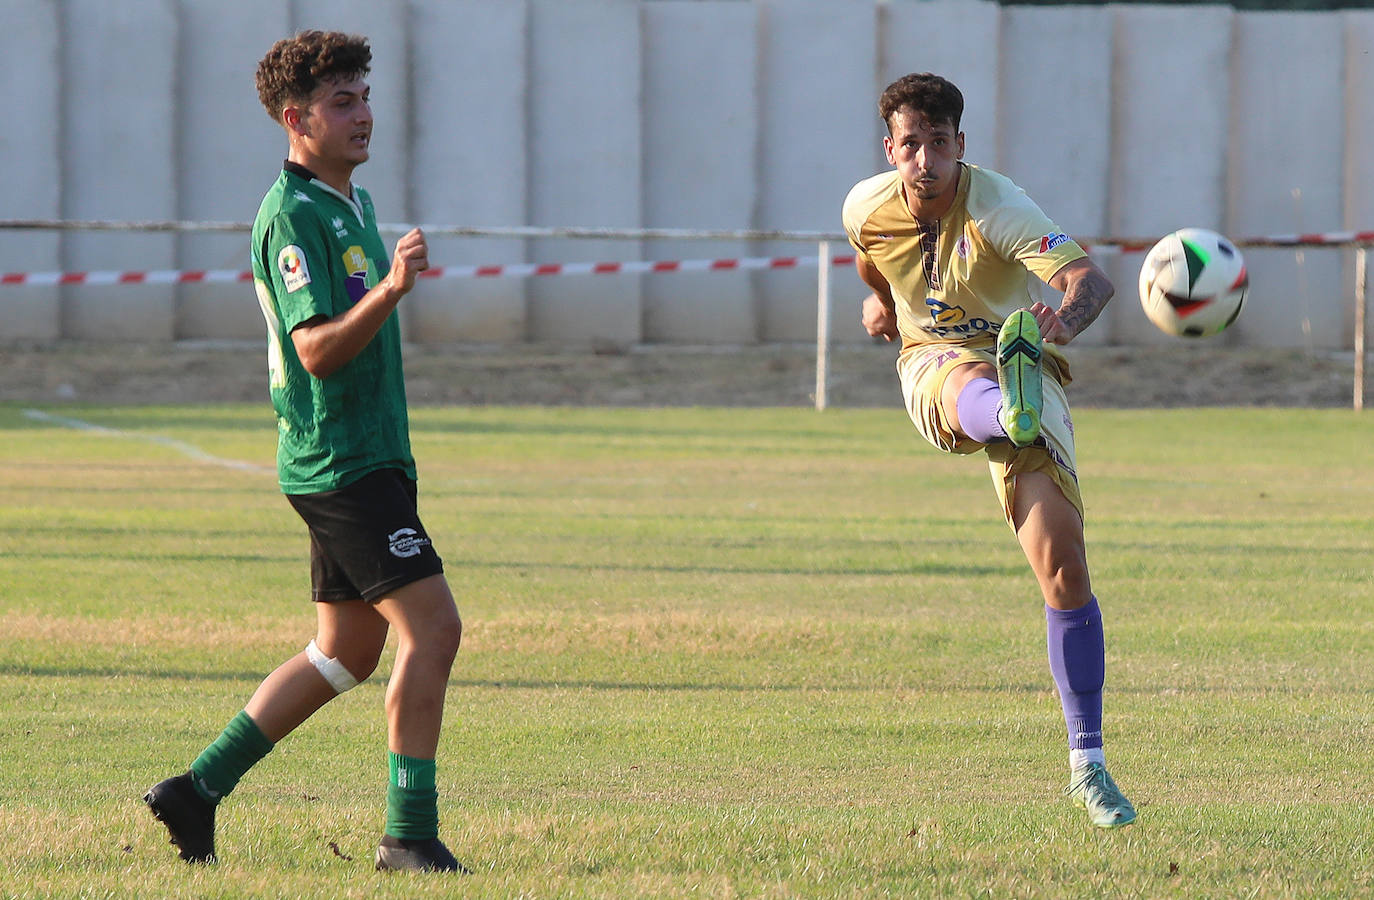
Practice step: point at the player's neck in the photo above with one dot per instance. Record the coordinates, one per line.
(929, 212)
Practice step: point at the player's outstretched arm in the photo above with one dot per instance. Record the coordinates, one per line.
(1086, 288)
(326, 345)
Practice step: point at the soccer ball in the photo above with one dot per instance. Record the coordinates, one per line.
(1192, 283)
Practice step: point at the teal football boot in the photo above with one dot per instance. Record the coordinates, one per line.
(1093, 789)
(1019, 376)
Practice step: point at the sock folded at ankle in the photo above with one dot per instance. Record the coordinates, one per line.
(220, 766)
(412, 803)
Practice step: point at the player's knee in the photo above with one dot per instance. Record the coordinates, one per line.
(449, 636)
(1067, 586)
(339, 675)
(439, 639)
(361, 662)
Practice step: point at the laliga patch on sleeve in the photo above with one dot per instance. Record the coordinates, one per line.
(1050, 241)
(294, 272)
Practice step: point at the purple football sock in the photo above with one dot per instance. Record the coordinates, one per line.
(978, 405)
(1074, 638)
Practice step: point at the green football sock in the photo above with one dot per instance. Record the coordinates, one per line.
(412, 803)
(220, 766)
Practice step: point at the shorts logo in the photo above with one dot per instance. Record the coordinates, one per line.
(406, 542)
(1050, 241)
(294, 272)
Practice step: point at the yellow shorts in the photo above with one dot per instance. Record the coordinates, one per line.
(923, 370)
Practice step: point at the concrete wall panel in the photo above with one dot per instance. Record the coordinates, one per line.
(1055, 121)
(1285, 174)
(1359, 139)
(230, 154)
(817, 130)
(30, 143)
(470, 65)
(119, 155)
(1359, 120)
(700, 137)
(585, 163)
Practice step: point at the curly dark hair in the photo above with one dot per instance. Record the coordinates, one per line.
(930, 95)
(294, 67)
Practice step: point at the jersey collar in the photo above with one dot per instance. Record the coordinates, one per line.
(300, 171)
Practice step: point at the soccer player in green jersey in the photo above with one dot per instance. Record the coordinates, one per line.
(946, 248)
(329, 294)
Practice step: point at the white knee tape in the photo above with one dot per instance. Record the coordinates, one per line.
(333, 671)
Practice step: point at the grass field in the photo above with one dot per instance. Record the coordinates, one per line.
(707, 653)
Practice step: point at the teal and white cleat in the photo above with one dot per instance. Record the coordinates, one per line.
(1093, 789)
(1018, 375)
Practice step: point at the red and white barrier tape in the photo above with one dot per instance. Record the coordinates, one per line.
(515, 270)
(526, 270)
(1324, 239)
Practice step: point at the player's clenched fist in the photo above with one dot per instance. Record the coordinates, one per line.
(878, 320)
(410, 259)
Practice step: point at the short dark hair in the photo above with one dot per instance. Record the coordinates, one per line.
(930, 95)
(295, 67)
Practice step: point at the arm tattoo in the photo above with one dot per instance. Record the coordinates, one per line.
(1084, 301)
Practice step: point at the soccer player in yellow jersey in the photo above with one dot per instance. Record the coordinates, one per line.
(948, 248)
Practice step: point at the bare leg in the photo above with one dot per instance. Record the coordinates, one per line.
(428, 632)
(353, 632)
(1051, 535)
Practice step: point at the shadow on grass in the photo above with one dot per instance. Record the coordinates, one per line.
(519, 684)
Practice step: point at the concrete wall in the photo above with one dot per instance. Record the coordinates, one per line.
(717, 114)
(119, 160)
(30, 144)
(700, 128)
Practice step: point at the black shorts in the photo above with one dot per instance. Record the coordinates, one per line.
(366, 538)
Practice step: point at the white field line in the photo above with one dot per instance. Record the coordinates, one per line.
(189, 450)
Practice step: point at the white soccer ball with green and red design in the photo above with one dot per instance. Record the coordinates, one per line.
(1193, 283)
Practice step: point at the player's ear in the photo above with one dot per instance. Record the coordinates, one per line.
(293, 117)
(959, 140)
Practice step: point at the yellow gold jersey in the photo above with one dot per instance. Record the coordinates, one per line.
(956, 281)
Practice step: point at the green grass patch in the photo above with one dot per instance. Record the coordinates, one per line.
(723, 653)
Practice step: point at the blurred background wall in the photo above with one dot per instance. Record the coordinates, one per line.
(1121, 120)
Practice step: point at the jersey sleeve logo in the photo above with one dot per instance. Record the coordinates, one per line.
(294, 272)
(1050, 241)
